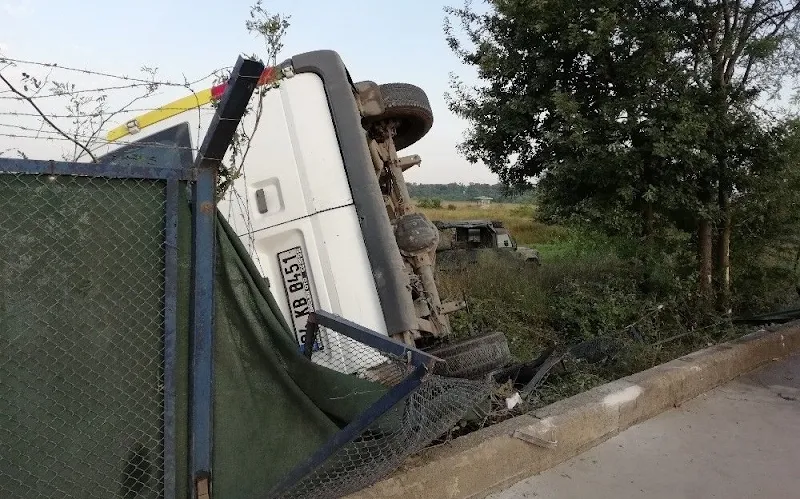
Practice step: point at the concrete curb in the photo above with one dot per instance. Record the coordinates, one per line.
(474, 466)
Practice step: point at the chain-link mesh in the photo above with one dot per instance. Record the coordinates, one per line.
(443, 399)
(428, 413)
(341, 353)
(81, 326)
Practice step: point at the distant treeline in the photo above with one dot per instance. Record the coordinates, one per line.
(465, 192)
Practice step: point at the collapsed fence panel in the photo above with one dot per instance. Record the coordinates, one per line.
(416, 409)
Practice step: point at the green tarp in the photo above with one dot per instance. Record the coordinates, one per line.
(273, 407)
(81, 276)
(81, 322)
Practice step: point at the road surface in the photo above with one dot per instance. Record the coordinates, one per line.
(741, 440)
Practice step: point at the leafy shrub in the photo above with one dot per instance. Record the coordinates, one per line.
(587, 287)
(426, 203)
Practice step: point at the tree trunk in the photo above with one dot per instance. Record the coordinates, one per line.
(647, 250)
(705, 256)
(723, 269)
(647, 227)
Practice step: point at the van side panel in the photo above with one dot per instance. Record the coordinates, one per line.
(292, 205)
(388, 270)
(337, 277)
(293, 161)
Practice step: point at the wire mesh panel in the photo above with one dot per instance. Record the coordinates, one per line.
(427, 413)
(418, 407)
(81, 337)
(356, 358)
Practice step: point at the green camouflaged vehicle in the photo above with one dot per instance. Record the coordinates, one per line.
(461, 241)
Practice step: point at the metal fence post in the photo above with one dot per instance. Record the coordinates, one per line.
(232, 107)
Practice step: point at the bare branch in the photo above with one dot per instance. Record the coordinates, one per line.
(741, 42)
(124, 108)
(40, 85)
(786, 14)
(736, 9)
(746, 76)
(45, 118)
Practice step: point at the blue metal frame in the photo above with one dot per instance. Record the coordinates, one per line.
(173, 174)
(422, 362)
(105, 170)
(202, 326)
(232, 107)
(368, 337)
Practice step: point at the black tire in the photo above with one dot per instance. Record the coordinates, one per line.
(473, 358)
(409, 105)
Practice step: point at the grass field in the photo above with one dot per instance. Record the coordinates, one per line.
(584, 289)
(518, 218)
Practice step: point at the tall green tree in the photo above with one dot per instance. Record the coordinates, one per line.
(766, 214)
(743, 51)
(634, 115)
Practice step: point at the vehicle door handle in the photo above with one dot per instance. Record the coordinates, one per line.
(261, 201)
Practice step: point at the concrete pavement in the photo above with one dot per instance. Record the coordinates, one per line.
(740, 440)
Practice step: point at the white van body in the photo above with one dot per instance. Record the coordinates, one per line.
(293, 209)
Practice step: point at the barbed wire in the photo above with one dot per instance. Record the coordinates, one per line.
(45, 130)
(100, 142)
(111, 75)
(149, 85)
(98, 114)
(78, 135)
(87, 117)
(26, 128)
(67, 93)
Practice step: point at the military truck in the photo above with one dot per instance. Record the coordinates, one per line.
(461, 241)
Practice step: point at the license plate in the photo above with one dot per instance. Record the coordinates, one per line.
(292, 263)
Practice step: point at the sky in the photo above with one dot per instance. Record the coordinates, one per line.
(380, 41)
